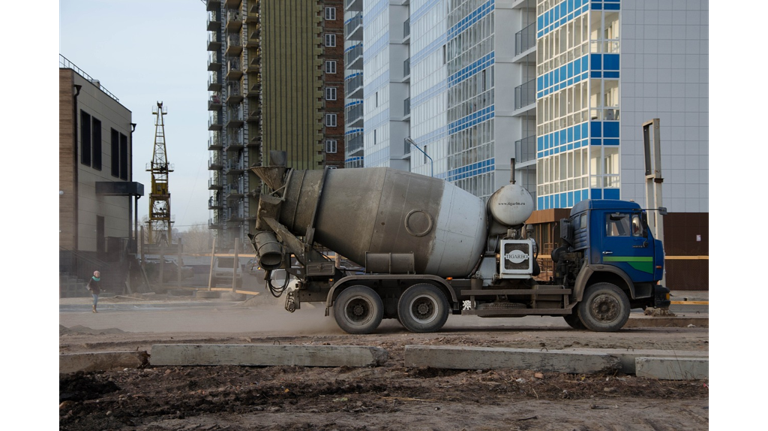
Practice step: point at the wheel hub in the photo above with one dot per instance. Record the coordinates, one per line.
(357, 309)
(423, 309)
(605, 308)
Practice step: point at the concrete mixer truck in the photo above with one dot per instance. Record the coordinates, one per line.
(429, 249)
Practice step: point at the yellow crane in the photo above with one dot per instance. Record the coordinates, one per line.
(159, 223)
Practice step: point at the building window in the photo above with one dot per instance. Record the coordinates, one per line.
(330, 40)
(330, 93)
(96, 138)
(330, 120)
(374, 136)
(330, 146)
(330, 14)
(85, 138)
(115, 151)
(123, 157)
(90, 141)
(330, 67)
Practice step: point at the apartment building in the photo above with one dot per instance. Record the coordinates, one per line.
(269, 90)
(561, 86)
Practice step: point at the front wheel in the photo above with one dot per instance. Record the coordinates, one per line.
(358, 310)
(423, 308)
(574, 321)
(604, 308)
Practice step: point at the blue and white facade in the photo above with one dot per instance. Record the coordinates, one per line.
(605, 67)
(385, 51)
(561, 86)
(354, 125)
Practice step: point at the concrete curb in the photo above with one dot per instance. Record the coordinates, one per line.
(476, 358)
(627, 358)
(266, 355)
(103, 361)
(672, 368)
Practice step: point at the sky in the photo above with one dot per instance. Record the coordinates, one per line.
(145, 51)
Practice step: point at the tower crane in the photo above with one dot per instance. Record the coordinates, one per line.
(159, 223)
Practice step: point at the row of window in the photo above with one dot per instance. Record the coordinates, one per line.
(91, 151)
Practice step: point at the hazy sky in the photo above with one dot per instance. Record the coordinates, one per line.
(145, 51)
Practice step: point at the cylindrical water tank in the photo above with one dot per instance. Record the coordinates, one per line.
(383, 210)
(511, 205)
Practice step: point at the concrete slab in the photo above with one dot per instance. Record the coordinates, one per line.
(103, 361)
(676, 368)
(206, 294)
(266, 355)
(476, 358)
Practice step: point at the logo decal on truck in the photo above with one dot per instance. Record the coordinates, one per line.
(516, 256)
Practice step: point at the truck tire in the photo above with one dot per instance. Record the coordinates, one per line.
(358, 310)
(604, 308)
(423, 308)
(574, 321)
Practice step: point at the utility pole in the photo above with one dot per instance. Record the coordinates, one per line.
(653, 181)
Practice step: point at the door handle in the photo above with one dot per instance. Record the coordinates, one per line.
(607, 252)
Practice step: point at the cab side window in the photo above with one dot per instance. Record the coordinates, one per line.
(617, 225)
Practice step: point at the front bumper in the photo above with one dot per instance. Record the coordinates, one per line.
(661, 297)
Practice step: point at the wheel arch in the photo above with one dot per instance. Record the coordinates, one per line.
(591, 274)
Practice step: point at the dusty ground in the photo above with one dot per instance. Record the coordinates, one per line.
(389, 397)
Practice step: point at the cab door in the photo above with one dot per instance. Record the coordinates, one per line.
(626, 245)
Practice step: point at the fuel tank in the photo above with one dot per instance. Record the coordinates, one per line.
(383, 210)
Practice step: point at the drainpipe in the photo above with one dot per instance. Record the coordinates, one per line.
(76, 166)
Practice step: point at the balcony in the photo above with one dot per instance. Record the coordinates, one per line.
(253, 37)
(214, 121)
(525, 94)
(214, 42)
(353, 28)
(525, 39)
(407, 107)
(254, 114)
(254, 88)
(234, 95)
(525, 149)
(214, 142)
(407, 70)
(353, 5)
(353, 57)
(214, 22)
(212, 5)
(254, 65)
(254, 139)
(407, 30)
(214, 102)
(232, 4)
(354, 144)
(353, 86)
(235, 141)
(253, 7)
(235, 121)
(234, 71)
(235, 167)
(234, 21)
(253, 14)
(214, 84)
(234, 46)
(354, 115)
(214, 223)
(215, 183)
(215, 204)
(215, 163)
(214, 64)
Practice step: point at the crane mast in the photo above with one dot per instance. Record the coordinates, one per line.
(159, 223)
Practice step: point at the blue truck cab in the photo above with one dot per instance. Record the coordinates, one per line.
(614, 254)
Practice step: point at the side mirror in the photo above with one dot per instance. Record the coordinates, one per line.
(663, 211)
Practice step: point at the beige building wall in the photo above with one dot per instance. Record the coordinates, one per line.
(78, 218)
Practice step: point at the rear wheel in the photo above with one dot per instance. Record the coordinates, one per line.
(604, 308)
(423, 308)
(358, 310)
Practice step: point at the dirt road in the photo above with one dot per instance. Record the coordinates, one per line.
(388, 397)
